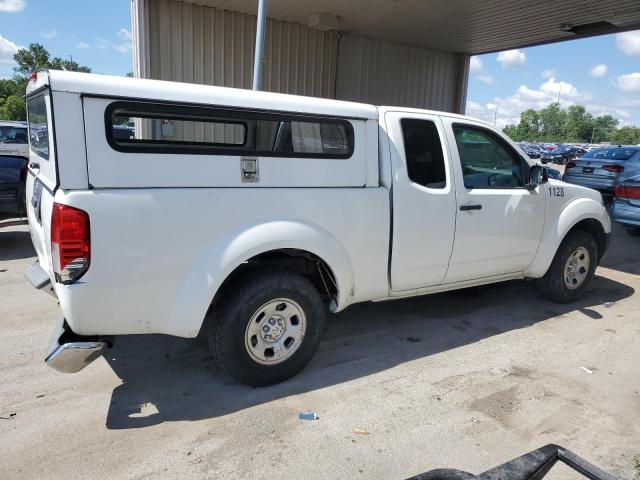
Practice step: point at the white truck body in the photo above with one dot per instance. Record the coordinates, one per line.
(169, 225)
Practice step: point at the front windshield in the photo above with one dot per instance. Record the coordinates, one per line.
(11, 134)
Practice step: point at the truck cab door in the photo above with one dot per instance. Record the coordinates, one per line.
(423, 199)
(499, 222)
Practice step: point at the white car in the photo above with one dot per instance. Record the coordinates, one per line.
(247, 216)
(13, 138)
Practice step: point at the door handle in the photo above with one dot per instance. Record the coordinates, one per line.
(466, 208)
(34, 165)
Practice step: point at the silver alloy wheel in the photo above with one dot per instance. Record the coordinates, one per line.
(275, 331)
(577, 268)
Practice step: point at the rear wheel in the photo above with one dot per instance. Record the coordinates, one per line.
(572, 268)
(268, 328)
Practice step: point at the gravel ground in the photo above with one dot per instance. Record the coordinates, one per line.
(467, 379)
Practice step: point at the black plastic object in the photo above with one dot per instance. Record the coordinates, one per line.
(530, 466)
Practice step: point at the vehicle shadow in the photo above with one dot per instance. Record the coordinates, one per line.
(624, 252)
(15, 244)
(168, 379)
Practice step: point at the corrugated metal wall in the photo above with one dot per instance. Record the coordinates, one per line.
(190, 43)
(388, 73)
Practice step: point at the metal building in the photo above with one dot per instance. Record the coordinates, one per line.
(407, 53)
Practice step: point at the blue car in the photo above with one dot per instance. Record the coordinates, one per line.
(626, 205)
(13, 175)
(603, 168)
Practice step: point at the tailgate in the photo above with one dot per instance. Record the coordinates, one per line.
(42, 179)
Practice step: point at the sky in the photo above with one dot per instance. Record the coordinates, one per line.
(601, 73)
(96, 33)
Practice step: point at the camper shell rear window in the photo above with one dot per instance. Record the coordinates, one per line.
(38, 123)
(167, 128)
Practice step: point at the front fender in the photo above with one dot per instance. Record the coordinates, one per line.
(559, 225)
(218, 261)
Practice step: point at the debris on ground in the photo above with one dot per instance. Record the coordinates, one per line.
(413, 339)
(360, 432)
(474, 420)
(308, 416)
(10, 417)
(589, 370)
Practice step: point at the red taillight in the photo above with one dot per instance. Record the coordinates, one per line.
(70, 242)
(613, 168)
(33, 76)
(570, 165)
(632, 192)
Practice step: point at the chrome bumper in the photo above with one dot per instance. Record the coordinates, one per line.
(70, 353)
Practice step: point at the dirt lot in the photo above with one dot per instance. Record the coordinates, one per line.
(468, 379)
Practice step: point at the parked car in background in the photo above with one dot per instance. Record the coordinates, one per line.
(626, 205)
(13, 175)
(603, 168)
(13, 138)
(553, 173)
(123, 132)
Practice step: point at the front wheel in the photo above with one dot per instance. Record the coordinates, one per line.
(268, 328)
(572, 268)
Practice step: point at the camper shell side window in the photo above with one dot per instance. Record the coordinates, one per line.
(139, 127)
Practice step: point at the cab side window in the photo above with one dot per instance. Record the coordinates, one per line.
(487, 161)
(423, 151)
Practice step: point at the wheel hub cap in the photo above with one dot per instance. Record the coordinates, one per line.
(577, 268)
(272, 328)
(275, 331)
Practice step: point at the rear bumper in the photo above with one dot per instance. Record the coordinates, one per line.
(602, 184)
(70, 353)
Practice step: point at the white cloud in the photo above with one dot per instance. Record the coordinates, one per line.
(7, 50)
(82, 45)
(12, 5)
(599, 71)
(629, 42)
(475, 65)
(629, 82)
(49, 34)
(548, 73)
(477, 68)
(552, 87)
(123, 45)
(512, 59)
(510, 107)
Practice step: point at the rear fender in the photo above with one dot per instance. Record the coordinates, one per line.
(217, 262)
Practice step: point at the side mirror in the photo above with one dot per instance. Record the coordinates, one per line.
(537, 176)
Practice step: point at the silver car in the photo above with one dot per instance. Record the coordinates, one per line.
(603, 168)
(626, 206)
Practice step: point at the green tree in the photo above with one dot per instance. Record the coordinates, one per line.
(603, 128)
(36, 57)
(552, 121)
(529, 127)
(28, 60)
(626, 136)
(12, 108)
(579, 124)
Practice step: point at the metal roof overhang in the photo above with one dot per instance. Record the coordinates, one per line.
(466, 26)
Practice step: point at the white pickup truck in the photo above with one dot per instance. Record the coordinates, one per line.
(245, 217)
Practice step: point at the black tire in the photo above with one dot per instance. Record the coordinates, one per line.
(553, 285)
(227, 324)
